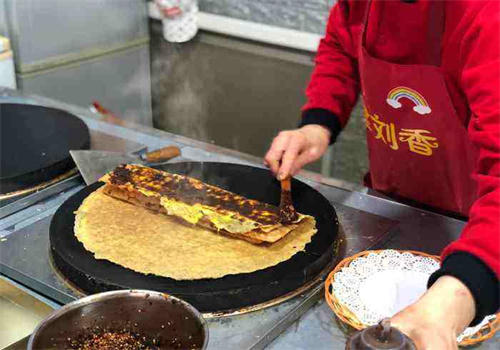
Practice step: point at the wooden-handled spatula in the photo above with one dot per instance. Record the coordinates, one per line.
(288, 214)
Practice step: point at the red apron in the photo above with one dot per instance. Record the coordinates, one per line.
(418, 145)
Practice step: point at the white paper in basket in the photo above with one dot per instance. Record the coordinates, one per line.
(380, 285)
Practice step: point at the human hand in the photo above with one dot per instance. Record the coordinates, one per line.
(439, 316)
(292, 149)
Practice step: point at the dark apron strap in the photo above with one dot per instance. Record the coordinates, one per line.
(365, 23)
(435, 31)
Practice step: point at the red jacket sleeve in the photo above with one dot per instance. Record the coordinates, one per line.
(481, 84)
(334, 84)
(475, 257)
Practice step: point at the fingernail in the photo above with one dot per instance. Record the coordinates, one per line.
(280, 176)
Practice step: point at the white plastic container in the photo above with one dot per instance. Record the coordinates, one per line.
(7, 71)
(179, 18)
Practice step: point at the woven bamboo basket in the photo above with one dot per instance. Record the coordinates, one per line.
(348, 318)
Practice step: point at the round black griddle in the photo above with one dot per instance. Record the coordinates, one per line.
(35, 143)
(207, 295)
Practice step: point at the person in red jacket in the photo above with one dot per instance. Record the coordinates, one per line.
(428, 72)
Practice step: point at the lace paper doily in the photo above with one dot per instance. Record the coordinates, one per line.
(380, 285)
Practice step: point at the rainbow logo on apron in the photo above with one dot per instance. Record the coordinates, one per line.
(396, 94)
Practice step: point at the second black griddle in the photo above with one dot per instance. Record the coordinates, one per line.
(34, 144)
(207, 295)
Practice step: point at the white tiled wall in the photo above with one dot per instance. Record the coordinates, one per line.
(306, 15)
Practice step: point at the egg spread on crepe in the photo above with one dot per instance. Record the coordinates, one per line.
(198, 203)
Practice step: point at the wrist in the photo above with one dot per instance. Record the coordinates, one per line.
(324, 118)
(478, 277)
(317, 131)
(449, 303)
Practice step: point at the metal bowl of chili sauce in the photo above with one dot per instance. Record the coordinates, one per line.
(124, 319)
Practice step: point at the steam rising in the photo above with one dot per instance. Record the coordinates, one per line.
(179, 95)
(183, 86)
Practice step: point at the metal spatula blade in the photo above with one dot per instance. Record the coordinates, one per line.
(95, 164)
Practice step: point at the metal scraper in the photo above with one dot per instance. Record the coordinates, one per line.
(95, 164)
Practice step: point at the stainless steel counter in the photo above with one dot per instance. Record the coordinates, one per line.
(367, 222)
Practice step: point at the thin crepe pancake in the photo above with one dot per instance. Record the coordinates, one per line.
(145, 242)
